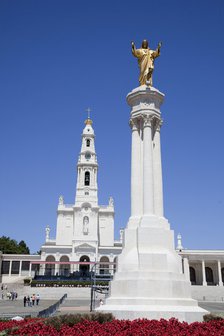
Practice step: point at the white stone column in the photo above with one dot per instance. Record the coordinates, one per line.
(20, 267)
(157, 172)
(219, 274)
(43, 269)
(10, 267)
(204, 282)
(136, 190)
(57, 266)
(186, 268)
(30, 269)
(148, 195)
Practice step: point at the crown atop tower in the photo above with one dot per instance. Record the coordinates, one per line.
(88, 129)
(88, 121)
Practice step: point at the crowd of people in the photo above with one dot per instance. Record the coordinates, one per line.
(29, 301)
(5, 294)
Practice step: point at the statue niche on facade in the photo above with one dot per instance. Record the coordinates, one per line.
(146, 58)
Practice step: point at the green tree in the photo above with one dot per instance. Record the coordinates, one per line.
(23, 248)
(11, 246)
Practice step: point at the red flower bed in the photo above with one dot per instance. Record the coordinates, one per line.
(141, 327)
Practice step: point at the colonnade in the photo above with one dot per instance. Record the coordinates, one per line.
(216, 267)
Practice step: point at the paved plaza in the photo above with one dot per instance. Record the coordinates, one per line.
(9, 308)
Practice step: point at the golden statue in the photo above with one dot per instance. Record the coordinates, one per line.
(146, 59)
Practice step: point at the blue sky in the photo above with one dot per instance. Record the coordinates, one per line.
(59, 57)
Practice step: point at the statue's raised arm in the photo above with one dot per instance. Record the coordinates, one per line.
(146, 58)
(132, 46)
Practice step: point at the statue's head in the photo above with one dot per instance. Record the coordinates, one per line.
(145, 44)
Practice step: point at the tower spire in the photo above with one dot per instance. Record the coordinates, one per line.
(88, 121)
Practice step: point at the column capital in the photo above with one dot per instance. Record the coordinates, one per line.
(133, 123)
(157, 122)
(147, 120)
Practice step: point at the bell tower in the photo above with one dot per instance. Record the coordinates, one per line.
(87, 167)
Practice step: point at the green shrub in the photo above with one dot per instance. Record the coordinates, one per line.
(209, 317)
(71, 319)
(27, 281)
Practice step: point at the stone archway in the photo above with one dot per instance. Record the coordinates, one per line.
(192, 275)
(84, 269)
(64, 269)
(209, 276)
(50, 268)
(104, 268)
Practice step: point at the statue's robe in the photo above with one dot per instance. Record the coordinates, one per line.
(146, 62)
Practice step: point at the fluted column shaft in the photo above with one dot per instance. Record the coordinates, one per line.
(135, 170)
(157, 173)
(148, 195)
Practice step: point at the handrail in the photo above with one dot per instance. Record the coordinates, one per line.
(52, 309)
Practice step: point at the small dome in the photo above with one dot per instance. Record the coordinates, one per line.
(88, 130)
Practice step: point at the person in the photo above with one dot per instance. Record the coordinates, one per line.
(28, 301)
(101, 302)
(146, 58)
(24, 301)
(37, 299)
(33, 299)
(2, 287)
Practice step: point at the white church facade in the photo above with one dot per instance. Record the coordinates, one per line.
(85, 229)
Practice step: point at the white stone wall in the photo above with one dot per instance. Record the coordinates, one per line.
(106, 229)
(64, 231)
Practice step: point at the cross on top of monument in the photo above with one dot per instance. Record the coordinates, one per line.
(88, 110)
(88, 121)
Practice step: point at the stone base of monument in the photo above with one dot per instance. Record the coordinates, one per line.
(132, 312)
(151, 281)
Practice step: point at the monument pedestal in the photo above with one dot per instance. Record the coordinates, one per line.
(151, 279)
(150, 282)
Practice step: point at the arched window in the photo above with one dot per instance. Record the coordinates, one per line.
(64, 269)
(104, 268)
(87, 178)
(87, 142)
(192, 276)
(209, 276)
(84, 268)
(85, 225)
(50, 268)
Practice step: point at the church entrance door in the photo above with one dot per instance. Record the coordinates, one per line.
(84, 269)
